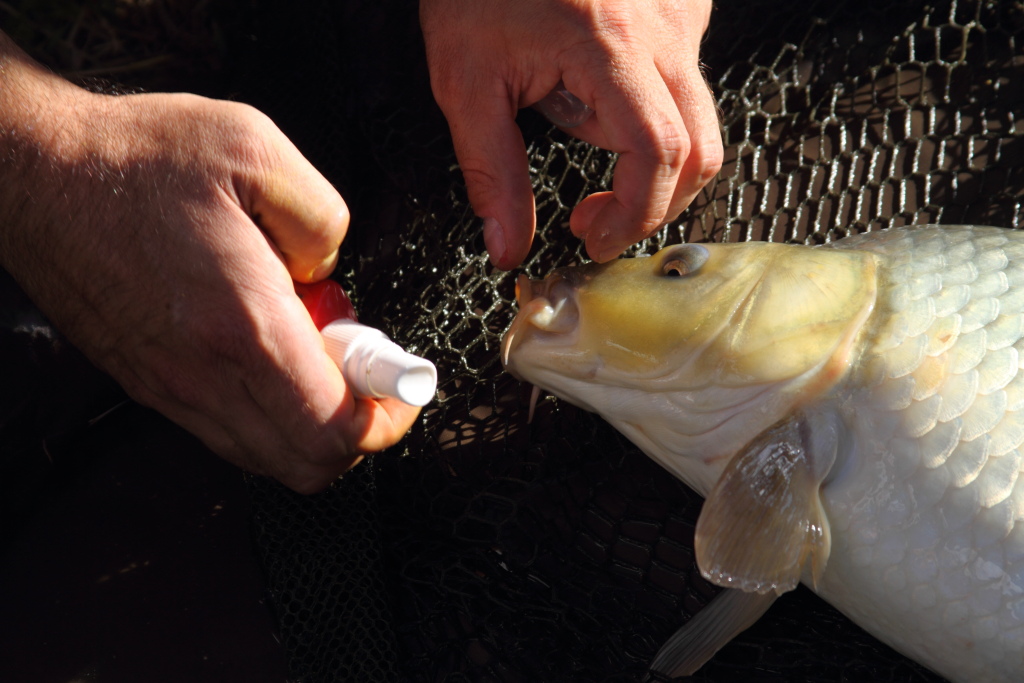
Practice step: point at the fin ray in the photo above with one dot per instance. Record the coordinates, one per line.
(730, 613)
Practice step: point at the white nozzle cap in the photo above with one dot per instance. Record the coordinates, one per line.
(374, 366)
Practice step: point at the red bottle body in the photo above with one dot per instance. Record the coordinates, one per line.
(326, 302)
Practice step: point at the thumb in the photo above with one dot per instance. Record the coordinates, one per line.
(492, 156)
(299, 210)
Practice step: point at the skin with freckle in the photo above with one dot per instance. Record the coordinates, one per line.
(854, 415)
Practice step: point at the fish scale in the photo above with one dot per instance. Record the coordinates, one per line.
(853, 413)
(949, 467)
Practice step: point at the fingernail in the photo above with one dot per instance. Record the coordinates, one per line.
(598, 248)
(494, 239)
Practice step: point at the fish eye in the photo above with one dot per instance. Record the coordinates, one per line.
(684, 259)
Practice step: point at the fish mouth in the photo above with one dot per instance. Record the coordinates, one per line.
(547, 308)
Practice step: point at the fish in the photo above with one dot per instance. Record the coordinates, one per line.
(852, 414)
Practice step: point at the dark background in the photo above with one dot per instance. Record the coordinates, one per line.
(482, 548)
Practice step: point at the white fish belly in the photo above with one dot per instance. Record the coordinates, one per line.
(927, 507)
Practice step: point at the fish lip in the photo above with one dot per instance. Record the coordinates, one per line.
(546, 307)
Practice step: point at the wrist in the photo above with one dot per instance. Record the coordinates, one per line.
(39, 110)
(41, 140)
(46, 212)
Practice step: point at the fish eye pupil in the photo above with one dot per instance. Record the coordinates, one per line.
(674, 268)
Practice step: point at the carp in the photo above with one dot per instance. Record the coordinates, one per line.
(853, 414)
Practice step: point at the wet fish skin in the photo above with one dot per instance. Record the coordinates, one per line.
(870, 391)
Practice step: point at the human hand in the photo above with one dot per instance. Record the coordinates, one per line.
(634, 62)
(162, 234)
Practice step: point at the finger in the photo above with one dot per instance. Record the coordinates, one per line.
(162, 385)
(492, 155)
(590, 131)
(373, 426)
(300, 211)
(295, 383)
(326, 429)
(638, 119)
(697, 106)
(563, 108)
(264, 395)
(147, 391)
(380, 423)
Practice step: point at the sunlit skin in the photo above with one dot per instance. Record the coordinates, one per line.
(163, 235)
(634, 62)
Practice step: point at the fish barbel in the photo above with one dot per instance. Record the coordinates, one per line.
(852, 413)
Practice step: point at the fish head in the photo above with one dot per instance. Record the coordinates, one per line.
(672, 348)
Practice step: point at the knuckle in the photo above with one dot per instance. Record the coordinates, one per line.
(445, 87)
(669, 144)
(613, 20)
(244, 133)
(447, 69)
(135, 387)
(326, 448)
(306, 253)
(226, 117)
(482, 183)
(306, 485)
(649, 225)
(308, 478)
(318, 435)
(181, 387)
(247, 120)
(709, 162)
(330, 233)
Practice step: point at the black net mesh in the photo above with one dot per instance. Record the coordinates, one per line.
(486, 548)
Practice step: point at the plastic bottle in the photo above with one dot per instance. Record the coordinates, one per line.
(372, 365)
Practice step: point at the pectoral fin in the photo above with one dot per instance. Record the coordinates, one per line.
(763, 520)
(729, 614)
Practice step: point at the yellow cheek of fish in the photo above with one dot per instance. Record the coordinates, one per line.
(751, 313)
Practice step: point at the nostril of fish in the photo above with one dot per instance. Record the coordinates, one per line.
(524, 290)
(558, 289)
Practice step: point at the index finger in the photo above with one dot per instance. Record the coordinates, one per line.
(292, 203)
(637, 117)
